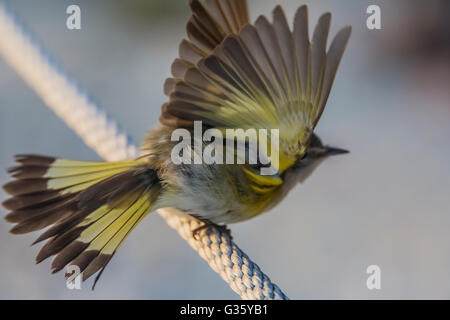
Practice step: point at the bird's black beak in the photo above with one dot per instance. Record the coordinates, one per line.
(330, 151)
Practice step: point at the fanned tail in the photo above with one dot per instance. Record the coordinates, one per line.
(89, 207)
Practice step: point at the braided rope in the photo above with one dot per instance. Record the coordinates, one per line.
(102, 134)
(224, 257)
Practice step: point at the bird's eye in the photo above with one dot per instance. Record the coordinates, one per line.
(304, 155)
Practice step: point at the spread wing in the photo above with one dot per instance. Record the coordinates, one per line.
(264, 77)
(208, 26)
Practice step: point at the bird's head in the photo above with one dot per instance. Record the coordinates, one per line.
(314, 155)
(318, 151)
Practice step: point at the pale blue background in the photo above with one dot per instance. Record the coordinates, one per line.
(387, 203)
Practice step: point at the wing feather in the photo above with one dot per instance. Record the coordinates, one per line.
(286, 45)
(229, 15)
(253, 43)
(302, 45)
(179, 68)
(207, 23)
(216, 12)
(267, 35)
(319, 44)
(334, 57)
(189, 52)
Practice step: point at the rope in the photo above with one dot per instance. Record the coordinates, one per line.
(224, 257)
(101, 133)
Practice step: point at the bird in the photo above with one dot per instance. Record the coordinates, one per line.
(230, 74)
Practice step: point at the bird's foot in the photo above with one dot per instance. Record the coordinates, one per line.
(223, 229)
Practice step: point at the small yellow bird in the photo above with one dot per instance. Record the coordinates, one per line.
(230, 75)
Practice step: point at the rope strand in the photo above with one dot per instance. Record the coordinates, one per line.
(101, 133)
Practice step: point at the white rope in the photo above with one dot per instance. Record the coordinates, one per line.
(103, 135)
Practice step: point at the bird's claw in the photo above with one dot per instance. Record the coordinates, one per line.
(223, 229)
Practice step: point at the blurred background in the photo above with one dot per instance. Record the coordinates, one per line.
(387, 203)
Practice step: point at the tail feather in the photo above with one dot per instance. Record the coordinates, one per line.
(33, 200)
(90, 207)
